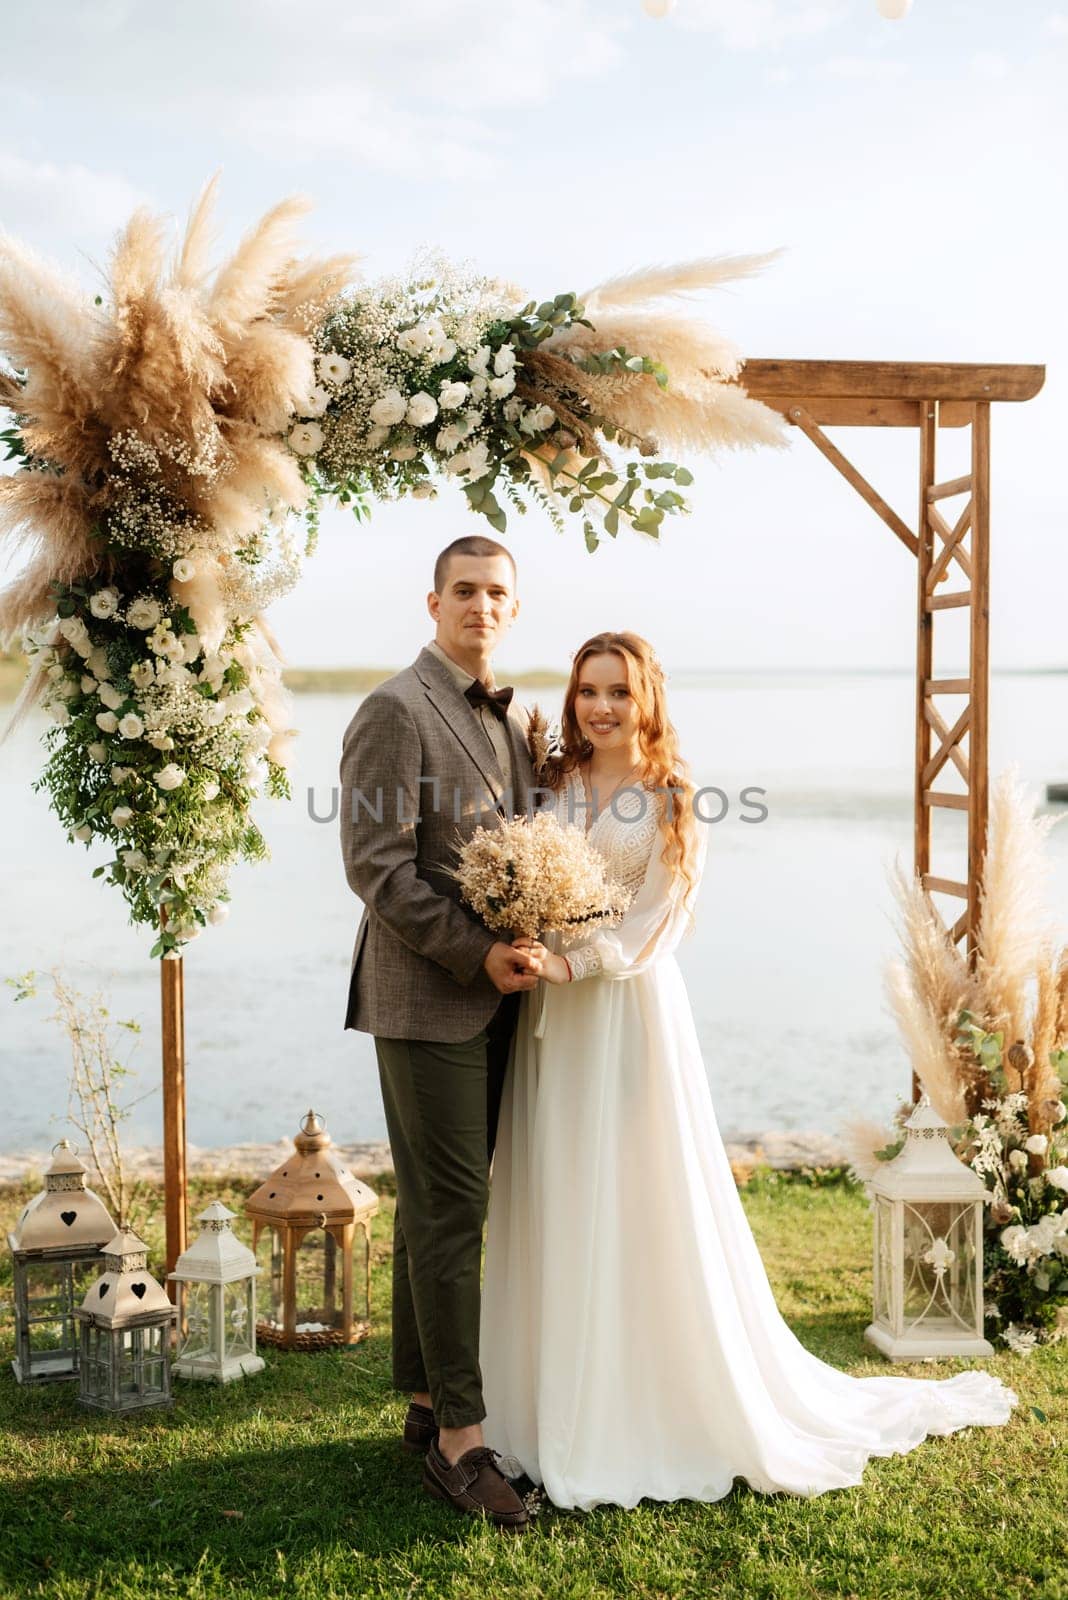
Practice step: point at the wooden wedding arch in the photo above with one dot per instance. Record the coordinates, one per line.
(952, 554)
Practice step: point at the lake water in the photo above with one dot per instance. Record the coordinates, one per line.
(784, 969)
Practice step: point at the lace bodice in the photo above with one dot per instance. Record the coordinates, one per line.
(624, 832)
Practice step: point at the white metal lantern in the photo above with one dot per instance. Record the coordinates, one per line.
(126, 1320)
(928, 1288)
(216, 1280)
(55, 1246)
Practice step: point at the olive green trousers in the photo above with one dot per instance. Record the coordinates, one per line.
(441, 1103)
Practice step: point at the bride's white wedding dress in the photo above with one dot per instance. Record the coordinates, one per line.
(631, 1345)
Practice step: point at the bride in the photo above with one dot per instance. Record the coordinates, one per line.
(630, 1342)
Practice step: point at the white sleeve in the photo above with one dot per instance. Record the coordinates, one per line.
(652, 928)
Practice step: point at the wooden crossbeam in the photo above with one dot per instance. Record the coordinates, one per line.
(946, 602)
(943, 491)
(803, 420)
(945, 886)
(960, 928)
(950, 744)
(892, 380)
(945, 802)
(952, 549)
(948, 686)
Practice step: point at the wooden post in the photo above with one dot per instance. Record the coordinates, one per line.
(979, 670)
(172, 1017)
(924, 655)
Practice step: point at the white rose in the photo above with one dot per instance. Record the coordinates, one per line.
(144, 613)
(541, 418)
(107, 721)
(84, 833)
(316, 403)
(119, 774)
(160, 740)
(69, 689)
(98, 753)
(1037, 1144)
(88, 683)
(449, 437)
(1058, 1177)
(442, 353)
(135, 860)
(60, 715)
(170, 777)
(240, 703)
(211, 789)
(404, 452)
(478, 459)
(121, 817)
(57, 672)
(306, 439)
(162, 641)
(424, 491)
(142, 673)
(422, 409)
(333, 368)
(513, 410)
(1017, 1160)
(131, 726)
(97, 662)
(412, 341)
(478, 387)
(104, 603)
(218, 913)
(504, 360)
(215, 715)
(255, 773)
(389, 408)
(1060, 1112)
(184, 570)
(77, 635)
(111, 696)
(452, 396)
(500, 388)
(478, 361)
(190, 643)
(435, 333)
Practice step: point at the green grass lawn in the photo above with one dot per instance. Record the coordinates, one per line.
(293, 1483)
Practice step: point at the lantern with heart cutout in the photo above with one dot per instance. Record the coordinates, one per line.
(126, 1320)
(56, 1247)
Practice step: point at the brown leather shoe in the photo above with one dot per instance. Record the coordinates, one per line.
(420, 1429)
(476, 1486)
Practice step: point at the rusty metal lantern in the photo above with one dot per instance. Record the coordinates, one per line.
(55, 1245)
(314, 1219)
(216, 1280)
(126, 1321)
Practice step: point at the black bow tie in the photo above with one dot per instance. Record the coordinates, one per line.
(498, 701)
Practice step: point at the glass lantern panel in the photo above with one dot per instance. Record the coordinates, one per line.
(884, 1261)
(940, 1266)
(197, 1317)
(270, 1256)
(237, 1323)
(50, 1297)
(140, 1353)
(320, 1298)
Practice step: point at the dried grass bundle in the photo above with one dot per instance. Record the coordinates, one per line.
(1015, 926)
(533, 877)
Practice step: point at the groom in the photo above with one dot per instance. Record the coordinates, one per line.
(429, 756)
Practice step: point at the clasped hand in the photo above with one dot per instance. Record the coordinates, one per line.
(519, 965)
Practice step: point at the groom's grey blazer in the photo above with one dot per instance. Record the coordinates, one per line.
(418, 776)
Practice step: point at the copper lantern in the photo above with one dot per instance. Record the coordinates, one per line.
(314, 1217)
(55, 1244)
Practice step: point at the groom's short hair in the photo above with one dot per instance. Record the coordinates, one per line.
(472, 545)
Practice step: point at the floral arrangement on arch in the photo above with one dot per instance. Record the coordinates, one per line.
(989, 1043)
(168, 433)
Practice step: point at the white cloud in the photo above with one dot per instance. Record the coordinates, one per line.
(989, 65)
(36, 195)
(864, 68)
(1057, 24)
(759, 24)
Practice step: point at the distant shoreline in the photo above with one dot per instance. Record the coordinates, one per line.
(360, 680)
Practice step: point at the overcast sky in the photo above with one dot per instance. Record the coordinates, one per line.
(914, 171)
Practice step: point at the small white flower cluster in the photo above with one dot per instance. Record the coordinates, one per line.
(414, 377)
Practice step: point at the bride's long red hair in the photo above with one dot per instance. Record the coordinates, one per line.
(662, 765)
